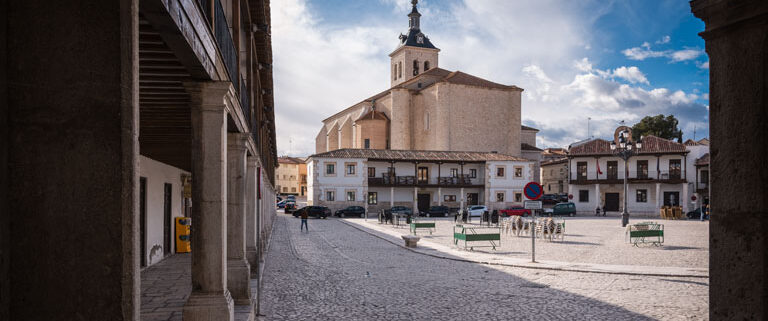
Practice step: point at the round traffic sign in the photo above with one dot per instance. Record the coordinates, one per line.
(533, 191)
(693, 197)
(570, 196)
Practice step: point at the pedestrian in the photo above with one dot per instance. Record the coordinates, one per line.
(304, 218)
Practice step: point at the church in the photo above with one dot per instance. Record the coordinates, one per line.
(434, 131)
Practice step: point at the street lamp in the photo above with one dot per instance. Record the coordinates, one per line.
(625, 149)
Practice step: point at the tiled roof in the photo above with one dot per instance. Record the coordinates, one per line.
(651, 145)
(555, 151)
(417, 155)
(525, 146)
(290, 160)
(703, 160)
(555, 161)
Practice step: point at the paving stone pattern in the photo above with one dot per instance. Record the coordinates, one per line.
(336, 272)
(165, 288)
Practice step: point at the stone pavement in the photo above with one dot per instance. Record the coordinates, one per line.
(337, 272)
(590, 245)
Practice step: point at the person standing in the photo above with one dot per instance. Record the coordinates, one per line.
(304, 217)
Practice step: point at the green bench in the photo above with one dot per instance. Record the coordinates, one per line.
(492, 235)
(646, 232)
(423, 225)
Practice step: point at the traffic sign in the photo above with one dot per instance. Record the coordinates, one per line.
(693, 198)
(532, 205)
(570, 196)
(533, 191)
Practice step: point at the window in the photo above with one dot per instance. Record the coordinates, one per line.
(400, 69)
(613, 169)
(330, 196)
(518, 172)
(285, 190)
(367, 144)
(330, 169)
(583, 195)
(472, 173)
(549, 187)
(674, 169)
(426, 65)
(500, 171)
(642, 169)
(423, 174)
(518, 197)
(642, 196)
(371, 171)
(394, 72)
(350, 196)
(551, 172)
(415, 67)
(454, 172)
(581, 171)
(293, 190)
(373, 198)
(285, 176)
(449, 198)
(293, 178)
(350, 169)
(500, 197)
(705, 177)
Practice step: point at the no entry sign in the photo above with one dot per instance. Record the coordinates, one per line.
(533, 191)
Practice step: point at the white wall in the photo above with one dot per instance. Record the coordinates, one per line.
(157, 174)
(509, 184)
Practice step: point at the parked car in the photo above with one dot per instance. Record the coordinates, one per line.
(281, 204)
(515, 211)
(313, 211)
(290, 206)
(477, 210)
(549, 199)
(401, 210)
(291, 197)
(358, 211)
(435, 211)
(568, 209)
(696, 214)
(562, 197)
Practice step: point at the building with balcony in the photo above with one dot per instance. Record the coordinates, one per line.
(291, 176)
(380, 179)
(121, 116)
(662, 173)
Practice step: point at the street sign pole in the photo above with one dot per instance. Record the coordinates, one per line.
(533, 191)
(533, 236)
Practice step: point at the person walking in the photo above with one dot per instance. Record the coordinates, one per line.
(304, 218)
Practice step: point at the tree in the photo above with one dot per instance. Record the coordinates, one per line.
(659, 126)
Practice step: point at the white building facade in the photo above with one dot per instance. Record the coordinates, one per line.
(662, 173)
(381, 179)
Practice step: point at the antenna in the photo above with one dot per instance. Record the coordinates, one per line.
(589, 132)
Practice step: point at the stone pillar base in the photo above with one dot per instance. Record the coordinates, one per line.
(209, 307)
(238, 281)
(252, 256)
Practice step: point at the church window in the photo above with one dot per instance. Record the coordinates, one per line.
(400, 69)
(426, 121)
(415, 67)
(367, 143)
(426, 65)
(394, 71)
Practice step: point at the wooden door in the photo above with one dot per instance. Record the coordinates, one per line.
(423, 202)
(611, 202)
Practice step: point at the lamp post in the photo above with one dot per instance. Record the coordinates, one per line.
(624, 147)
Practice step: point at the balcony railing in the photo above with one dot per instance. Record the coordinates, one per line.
(387, 180)
(595, 177)
(226, 45)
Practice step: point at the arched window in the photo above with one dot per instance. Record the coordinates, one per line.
(415, 67)
(426, 120)
(400, 69)
(394, 71)
(426, 65)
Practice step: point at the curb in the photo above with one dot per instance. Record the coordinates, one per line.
(551, 268)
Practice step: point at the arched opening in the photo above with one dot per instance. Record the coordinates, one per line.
(426, 65)
(394, 72)
(400, 69)
(415, 67)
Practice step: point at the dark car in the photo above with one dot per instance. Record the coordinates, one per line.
(568, 209)
(696, 214)
(549, 199)
(290, 206)
(562, 197)
(401, 210)
(313, 211)
(515, 211)
(435, 211)
(352, 211)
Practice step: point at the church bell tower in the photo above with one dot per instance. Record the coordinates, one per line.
(415, 54)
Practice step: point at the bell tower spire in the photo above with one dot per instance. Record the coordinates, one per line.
(414, 16)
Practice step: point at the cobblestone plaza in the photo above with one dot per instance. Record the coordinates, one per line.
(341, 271)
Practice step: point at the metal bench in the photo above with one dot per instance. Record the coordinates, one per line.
(467, 233)
(422, 225)
(646, 232)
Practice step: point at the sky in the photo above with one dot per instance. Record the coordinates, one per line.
(584, 65)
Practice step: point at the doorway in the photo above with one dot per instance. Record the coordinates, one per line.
(611, 202)
(423, 201)
(143, 219)
(167, 219)
(671, 198)
(472, 199)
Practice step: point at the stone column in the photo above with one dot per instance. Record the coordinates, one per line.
(415, 200)
(658, 196)
(210, 299)
(251, 212)
(440, 196)
(238, 270)
(391, 197)
(685, 198)
(598, 197)
(461, 206)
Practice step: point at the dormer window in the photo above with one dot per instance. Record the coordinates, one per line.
(415, 67)
(419, 39)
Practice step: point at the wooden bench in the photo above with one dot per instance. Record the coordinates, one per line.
(422, 225)
(646, 232)
(465, 233)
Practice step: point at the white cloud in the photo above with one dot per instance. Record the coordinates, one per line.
(644, 52)
(583, 65)
(703, 65)
(686, 54)
(641, 53)
(663, 40)
(631, 74)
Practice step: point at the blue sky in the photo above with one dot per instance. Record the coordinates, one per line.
(606, 60)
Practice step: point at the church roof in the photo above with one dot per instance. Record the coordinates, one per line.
(417, 155)
(525, 146)
(523, 127)
(412, 39)
(373, 115)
